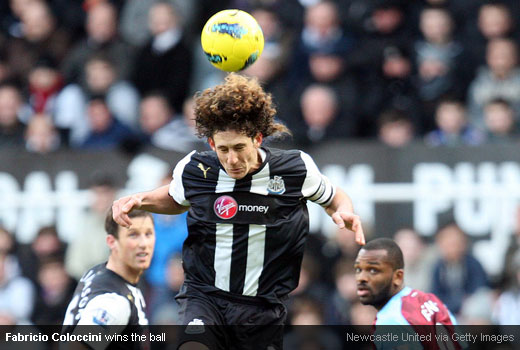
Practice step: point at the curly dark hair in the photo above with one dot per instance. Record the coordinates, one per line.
(239, 104)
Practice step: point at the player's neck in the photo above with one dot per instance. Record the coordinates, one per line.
(392, 294)
(128, 274)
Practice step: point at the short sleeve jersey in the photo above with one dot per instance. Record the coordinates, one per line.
(246, 236)
(423, 321)
(103, 298)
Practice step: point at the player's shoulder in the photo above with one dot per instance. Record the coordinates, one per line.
(102, 280)
(422, 308)
(203, 164)
(291, 159)
(416, 296)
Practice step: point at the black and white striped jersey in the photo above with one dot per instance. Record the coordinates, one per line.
(103, 298)
(246, 237)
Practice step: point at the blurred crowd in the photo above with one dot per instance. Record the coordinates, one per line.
(109, 74)
(98, 74)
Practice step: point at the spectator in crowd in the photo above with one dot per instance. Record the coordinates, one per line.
(54, 292)
(500, 78)
(101, 76)
(322, 32)
(322, 116)
(40, 135)
(45, 245)
(390, 87)
(307, 311)
(44, 82)
(11, 128)
(89, 247)
(506, 310)
(419, 258)
(476, 310)
(163, 307)
(396, 130)
(456, 274)
(158, 62)
(494, 20)
(501, 121)
(165, 130)
(385, 26)
(11, 23)
(133, 24)
(9, 247)
(40, 36)
(338, 307)
(155, 112)
(437, 57)
(102, 37)
(278, 40)
(271, 67)
(453, 127)
(106, 131)
(16, 293)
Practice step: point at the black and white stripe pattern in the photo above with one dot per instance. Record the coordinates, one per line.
(257, 251)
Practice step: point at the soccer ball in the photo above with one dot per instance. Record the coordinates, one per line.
(232, 40)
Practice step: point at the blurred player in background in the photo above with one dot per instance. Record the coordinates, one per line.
(247, 220)
(107, 294)
(379, 269)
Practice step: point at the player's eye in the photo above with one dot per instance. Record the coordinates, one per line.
(357, 270)
(373, 271)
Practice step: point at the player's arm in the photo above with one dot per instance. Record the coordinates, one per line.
(342, 212)
(156, 201)
(318, 188)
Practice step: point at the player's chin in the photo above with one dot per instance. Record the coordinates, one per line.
(142, 264)
(365, 299)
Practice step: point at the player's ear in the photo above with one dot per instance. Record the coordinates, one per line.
(398, 277)
(111, 241)
(212, 143)
(257, 140)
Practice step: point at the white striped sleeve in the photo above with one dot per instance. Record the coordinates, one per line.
(316, 187)
(176, 189)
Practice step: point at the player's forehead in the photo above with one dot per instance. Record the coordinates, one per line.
(372, 257)
(231, 138)
(140, 224)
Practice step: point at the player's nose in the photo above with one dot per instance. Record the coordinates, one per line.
(232, 158)
(361, 278)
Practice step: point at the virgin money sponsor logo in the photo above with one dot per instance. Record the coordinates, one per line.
(225, 207)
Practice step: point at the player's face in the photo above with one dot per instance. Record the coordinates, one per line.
(375, 277)
(237, 152)
(135, 245)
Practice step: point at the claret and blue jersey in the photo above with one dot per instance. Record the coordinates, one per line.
(421, 321)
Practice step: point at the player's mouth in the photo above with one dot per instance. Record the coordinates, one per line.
(142, 256)
(363, 291)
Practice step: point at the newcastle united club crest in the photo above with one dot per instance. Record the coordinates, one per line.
(276, 185)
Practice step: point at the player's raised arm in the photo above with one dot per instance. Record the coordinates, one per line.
(155, 201)
(342, 213)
